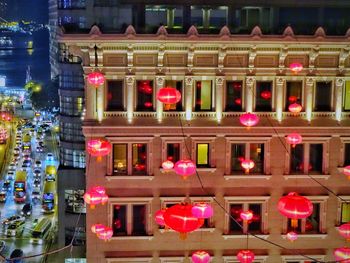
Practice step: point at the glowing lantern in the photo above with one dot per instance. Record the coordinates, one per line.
(292, 99)
(96, 79)
(294, 138)
(295, 108)
(159, 217)
(99, 148)
(106, 234)
(185, 168)
(296, 67)
(246, 215)
(104, 199)
(295, 207)
(344, 231)
(265, 94)
(342, 255)
(346, 171)
(180, 218)
(99, 189)
(292, 236)
(247, 165)
(167, 165)
(202, 210)
(245, 256)
(238, 101)
(97, 228)
(249, 119)
(200, 256)
(148, 104)
(92, 198)
(168, 95)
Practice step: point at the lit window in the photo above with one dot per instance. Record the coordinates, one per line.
(203, 95)
(345, 213)
(144, 95)
(234, 97)
(300, 164)
(294, 93)
(247, 151)
(323, 96)
(115, 95)
(120, 159)
(173, 152)
(347, 96)
(202, 155)
(263, 98)
(175, 106)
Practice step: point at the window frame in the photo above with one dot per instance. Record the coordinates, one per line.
(300, 259)
(331, 99)
(106, 95)
(182, 101)
(135, 98)
(171, 140)
(273, 91)
(339, 209)
(346, 84)
(130, 260)
(213, 97)
(171, 259)
(207, 165)
(211, 151)
(343, 141)
(243, 95)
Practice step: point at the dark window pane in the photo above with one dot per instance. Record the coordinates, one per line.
(263, 96)
(162, 15)
(346, 154)
(178, 86)
(237, 155)
(290, 228)
(203, 96)
(196, 16)
(316, 154)
(145, 95)
(234, 96)
(235, 210)
(293, 93)
(119, 220)
(120, 159)
(173, 152)
(218, 17)
(139, 220)
(254, 225)
(202, 155)
(139, 159)
(345, 213)
(323, 96)
(297, 159)
(312, 223)
(115, 96)
(257, 155)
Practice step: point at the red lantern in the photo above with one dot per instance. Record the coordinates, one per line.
(167, 165)
(292, 236)
(200, 256)
(292, 99)
(185, 168)
(296, 67)
(106, 234)
(342, 254)
(346, 171)
(97, 228)
(245, 256)
(180, 218)
(294, 138)
(266, 94)
(99, 189)
(202, 210)
(238, 101)
(96, 79)
(247, 165)
(159, 217)
(249, 119)
(295, 108)
(168, 95)
(99, 148)
(344, 231)
(246, 215)
(92, 198)
(295, 207)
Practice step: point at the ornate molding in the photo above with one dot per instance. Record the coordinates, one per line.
(130, 55)
(130, 80)
(249, 81)
(189, 81)
(339, 82)
(161, 52)
(282, 56)
(190, 56)
(219, 81)
(280, 81)
(252, 55)
(313, 54)
(310, 81)
(160, 81)
(344, 54)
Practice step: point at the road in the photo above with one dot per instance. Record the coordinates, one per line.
(10, 207)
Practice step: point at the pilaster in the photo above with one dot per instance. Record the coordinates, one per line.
(339, 85)
(188, 97)
(130, 82)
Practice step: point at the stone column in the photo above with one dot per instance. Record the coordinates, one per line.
(249, 93)
(130, 82)
(279, 97)
(219, 81)
(310, 82)
(339, 86)
(188, 97)
(159, 105)
(90, 101)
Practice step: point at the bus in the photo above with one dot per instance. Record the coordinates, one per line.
(49, 195)
(19, 186)
(41, 231)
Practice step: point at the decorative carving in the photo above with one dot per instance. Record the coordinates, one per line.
(320, 33)
(130, 55)
(344, 54)
(95, 30)
(280, 81)
(190, 55)
(310, 81)
(189, 81)
(219, 81)
(221, 57)
(256, 32)
(250, 82)
(130, 80)
(160, 81)
(288, 32)
(282, 56)
(192, 32)
(339, 82)
(225, 33)
(252, 55)
(161, 52)
(162, 32)
(130, 31)
(312, 56)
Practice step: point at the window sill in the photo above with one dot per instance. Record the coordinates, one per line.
(305, 176)
(129, 177)
(241, 236)
(248, 176)
(212, 170)
(323, 236)
(208, 229)
(132, 238)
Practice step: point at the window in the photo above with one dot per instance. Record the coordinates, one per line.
(263, 96)
(202, 154)
(248, 151)
(160, 15)
(144, 95)
(299, 259)
(307, 158)
(115, 95)
(345, 213)
(234, 96)
(310, 225)
(173, 152)
(71, 4)
(203, 95)
(74, 202)
(178, 86)
(323, 96)
(347, 96)
(139, 158)
(120, 154)
(78, 233)
(130, 217)
(294, 91)
(346, 154)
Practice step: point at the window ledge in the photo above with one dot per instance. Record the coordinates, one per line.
(247, 176)
(305, 176)
(132, 238)
(129, 177)
(241, 236)
(209, 169)
(323, 236)
(208, 229)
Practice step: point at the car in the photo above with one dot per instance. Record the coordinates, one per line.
(37, 173)
(7, 185)
(26, 157)
(10, 175)
(41, 143)
(15, 229)
(25, 168)
(50, 177)
(16, 155)
(16, 150)
(37, 182)
(3, 196)
(49, 157)
(12, 219)
(27, 163)
(27, 210)
(37, 164)
(17, 253)
(39, 149)
(36, 194)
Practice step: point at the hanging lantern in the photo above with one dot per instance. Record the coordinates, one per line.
(92, 198)
(295, 108)
(247, 165)
(200, 256)
(292, 99)
(246, 215)
(294, 139)
(99, 189)
(159, 217)
(292, 236)
(344, 231)
(295, 207)
(97, 228)
(185, 168)
(106, 234)
(148, 104)
(167, 165)
(346, 171)
(96, 79)
(202, 210)
(266, 94)
(249, 119)
(168, 95)
(342, 254)
(245, 256)
(296, 67)
(99, 148)
(179, 217)
(104, 199)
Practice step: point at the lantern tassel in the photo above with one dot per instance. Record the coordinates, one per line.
(184, 177)
(294, 223)
(293, 145)
(183, 236)
(92, 206)
(99, 158)
(246, 171)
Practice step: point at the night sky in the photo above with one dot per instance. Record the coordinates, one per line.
(36, 10)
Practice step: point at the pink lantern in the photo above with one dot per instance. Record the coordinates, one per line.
(167, 165)
(295, 108)
(346, 171)
(247, 165)
(202, 210)
(200, 256)
(249, 119)
(342, 254)
(245, 256)
(246, 215)
(185, 168)
(99, 189)
(292, 236)
(96, 79)
(296, 67)
(106, 234)
(92, 198)
(344, 231)
(294, 138)
(159, 217)
(97, 228)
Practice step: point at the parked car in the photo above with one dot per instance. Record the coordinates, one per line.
(36, 194)
(27, 209)
(37, 182)
(37, 173)
(10, 175)
(27, 163)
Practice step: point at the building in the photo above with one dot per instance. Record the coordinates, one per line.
(221, 66)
